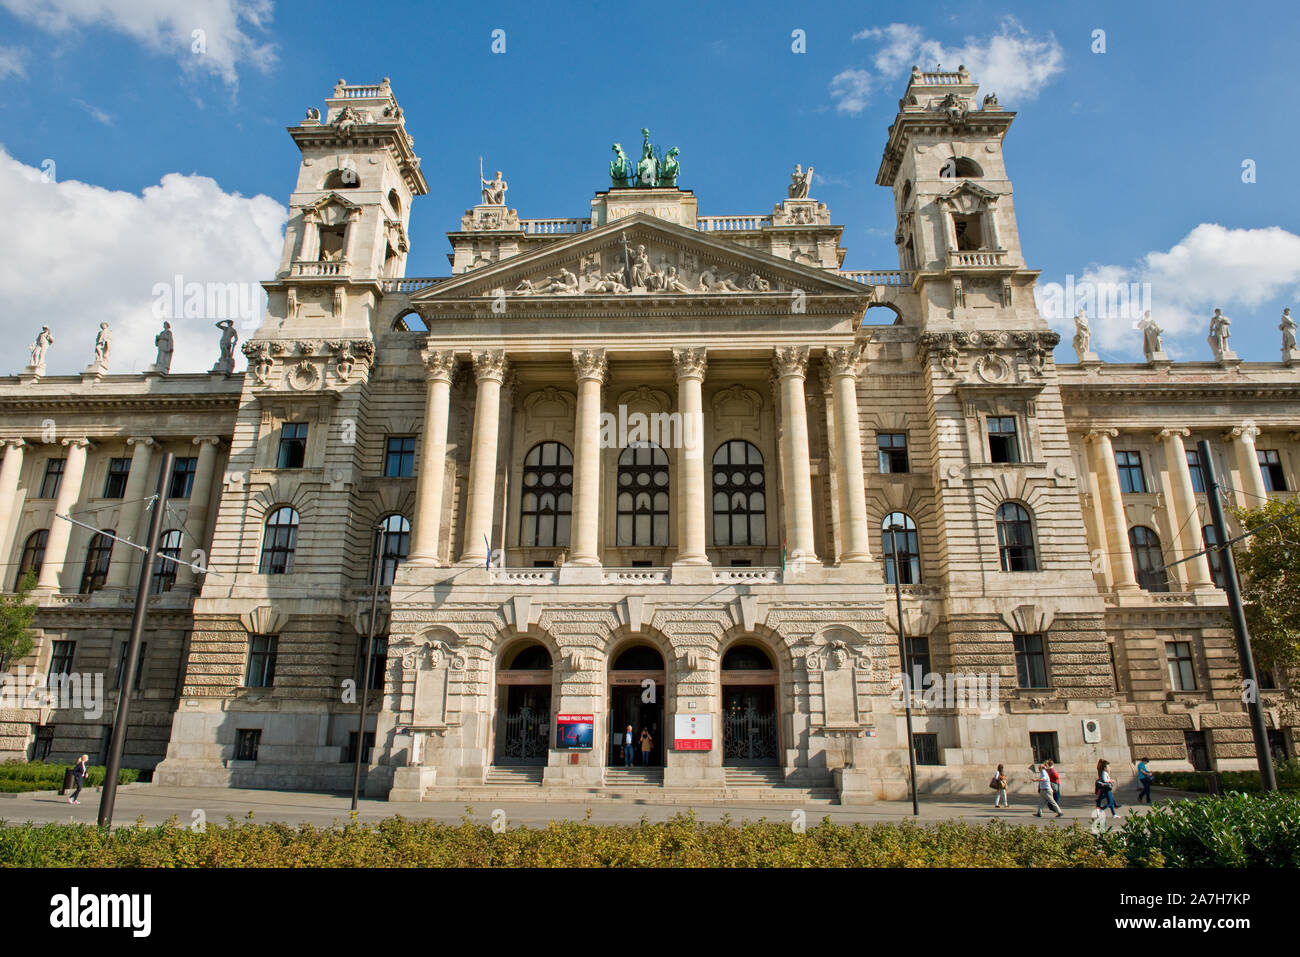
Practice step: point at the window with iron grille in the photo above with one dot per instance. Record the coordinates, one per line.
(891, 447)
(1031, 661)
(1045, 746)
(115, 483)
(61, 653)
(350, 753)
(247, 741)
(739, 495)
(642, 503)
(139, 666)
(926, 747)
(378, 661)
(1198, 750)
(44, 742)
(546, 503)
(918, 657)
(1129, 465)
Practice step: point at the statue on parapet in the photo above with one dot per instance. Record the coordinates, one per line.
(166, 345)
(1151, 333)
(619, 170)
(103, 346)
(1290, 352)
(800, 183)
(647, 171)
(43, 341)
(226, 364)
(494, 190)
(1219, 332)
(1082, 335)
(669, 168)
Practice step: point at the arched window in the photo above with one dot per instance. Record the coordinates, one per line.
(33, 555)
(396, 533)
(342, 179)
(747, 658)
(530, 657)
(642, 495)
(1148, 560)
(278, 542)
(1210, 539)
(164, 567)
(395, 202)
(1015, 539)
(410, 321)
(98, 555)
(546, 506)
(638, 658)
(959, 167)
(909, 553)
(739, 495)
(907, 192)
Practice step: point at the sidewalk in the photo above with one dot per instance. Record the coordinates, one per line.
(157, 804)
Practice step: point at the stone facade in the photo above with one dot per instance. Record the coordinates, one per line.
(547, 562)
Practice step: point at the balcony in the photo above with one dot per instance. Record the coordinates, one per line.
(879, 277)
(977, 258)
(715, 224)
(321, 270)
(554, 227)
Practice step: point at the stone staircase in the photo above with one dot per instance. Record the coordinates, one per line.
(622, 778)
(506, 776)
(754, 777)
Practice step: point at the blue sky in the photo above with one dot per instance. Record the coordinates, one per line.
(1127, 164)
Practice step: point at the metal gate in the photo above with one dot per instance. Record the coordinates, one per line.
(524, 734)
(749, 735)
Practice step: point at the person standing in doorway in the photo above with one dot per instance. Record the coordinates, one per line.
(647, 745)
(1045, 798)
(627, 747)
(1055, 778)
(79, 778)
(999, 784)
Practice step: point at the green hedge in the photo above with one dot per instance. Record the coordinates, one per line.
(1288, 779)
(1236, 830)
(38, 776)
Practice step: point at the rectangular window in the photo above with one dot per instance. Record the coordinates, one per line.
(1031, 662)
(261, 662)
(293, 446)
(115, 484)
(44, 742)
(1003, 446)
(1198, 750)
(246, 743)
(350, 753)
(892, 450)
(53, 478)
(1182, 676)
(1131, 478)
(378, 662)
(61, 653)
(1270, 464)
(1198, 473)
(139, 666)
(399, 457)
(1045, 747)
(918, 656)
(183, 478)
(926, 747)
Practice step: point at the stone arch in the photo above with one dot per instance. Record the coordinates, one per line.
(409, 321)
(879, 319)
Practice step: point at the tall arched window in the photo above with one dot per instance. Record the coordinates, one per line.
(546, 506)
(396, 533)
(739, 495)
(642, 495)
(1015, 539)
(33, 555)
(278, 542)
(164, 568)
(1148, 560)
(98, 556)
(909, 552)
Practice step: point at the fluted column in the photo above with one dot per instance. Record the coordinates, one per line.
(591, 368)
(1186, 515)
(440, 371)
(489, 373)
(128, 516)
(690, 366)
(10, 470)
(1119, 557)
(56, 545)
(196, 517)
(843, 363)
(1252, 493)
(790, 365)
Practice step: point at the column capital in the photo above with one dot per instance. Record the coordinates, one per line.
(590, 364)
(690, 363)
(1243, 433)
(1096, 435)
(80, 442)
(790, 361)
(145, 440)
(843, 360)
(440, 366)
(490, 366)
(1173, 433)
(17, 443)
(213, 440)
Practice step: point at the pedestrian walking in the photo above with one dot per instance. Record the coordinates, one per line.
(1045, 798)
(1106, 788)
(647, 745)
(627, 747)
(1055, 778)
(999, 784)
(78, 778)
(1145, 778)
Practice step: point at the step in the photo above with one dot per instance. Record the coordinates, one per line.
(634, 777)
(514, 776)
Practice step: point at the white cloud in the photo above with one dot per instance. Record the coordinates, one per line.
(167, 26)
(11, 61)
(1012, 63)
(1211, 267)
(89, 254)
(98, 115)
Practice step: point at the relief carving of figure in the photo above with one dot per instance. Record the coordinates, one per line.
(800, 183)
(43, 341)
(1082, 335)
(756, 283)
(714, 280)
(494, 190)
(165, 344)
(1288, 328)
(1219, 333)
(641, 267)
(669, 280)
(608, 283)
(565, 283)
(1150, 336)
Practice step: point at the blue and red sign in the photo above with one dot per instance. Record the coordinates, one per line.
(574, 731)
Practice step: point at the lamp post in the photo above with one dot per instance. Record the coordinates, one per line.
(365, 668)
(902, 660)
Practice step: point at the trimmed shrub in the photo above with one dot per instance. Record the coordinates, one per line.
(16, 776)
(1288, 779)
(1236, 830)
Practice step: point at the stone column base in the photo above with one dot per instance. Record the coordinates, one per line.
(854, 786)
(410, 784)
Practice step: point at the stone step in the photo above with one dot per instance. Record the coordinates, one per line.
(657, 795)
(497, 776)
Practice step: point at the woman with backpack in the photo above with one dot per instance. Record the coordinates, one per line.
(999, 784)
(1106, 788)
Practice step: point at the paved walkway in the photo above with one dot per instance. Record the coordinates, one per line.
(156, 804)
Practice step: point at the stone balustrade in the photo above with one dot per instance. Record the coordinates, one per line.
(549, 227)
(713, 224)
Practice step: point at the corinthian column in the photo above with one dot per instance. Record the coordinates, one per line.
(790, 365)
(1102, 456)
(440, 371)
(843, 363)
(56, 545)
(591, 368)
(9, 473)
(489, 373)
(128, 517)
(1185, 513)
(196, 518)
(1252, 493)
(690, 365)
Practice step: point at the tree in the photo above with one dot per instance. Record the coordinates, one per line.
(1269, 565)
(16, 617)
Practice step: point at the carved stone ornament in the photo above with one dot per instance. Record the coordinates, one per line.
(490, 365)
(790, 361)
(303, 376)
(590, 364)
(260, 358)
(991, 367)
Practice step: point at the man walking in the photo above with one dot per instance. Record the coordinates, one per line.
(1045, 792)
(1055, 778)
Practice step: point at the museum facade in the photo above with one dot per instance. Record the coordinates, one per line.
(646, 472)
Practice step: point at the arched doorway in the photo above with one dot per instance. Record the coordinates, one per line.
(750, 736)
(636, 697)
(523, 724)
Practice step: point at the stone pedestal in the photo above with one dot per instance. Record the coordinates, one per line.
(410, 784)
(487, 217)
(854, 786)
(1291, 356)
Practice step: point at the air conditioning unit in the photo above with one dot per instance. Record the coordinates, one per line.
(1091, 731)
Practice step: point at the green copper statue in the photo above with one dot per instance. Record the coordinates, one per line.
(668, 169)
(652, 170)
(618, 170)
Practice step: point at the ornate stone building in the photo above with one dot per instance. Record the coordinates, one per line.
(640, 469)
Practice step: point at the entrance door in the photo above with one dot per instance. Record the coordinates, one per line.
(626, 707)
(749, 733)
(523, 724)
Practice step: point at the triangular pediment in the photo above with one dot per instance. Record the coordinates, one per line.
(642, 256)
(968, 197)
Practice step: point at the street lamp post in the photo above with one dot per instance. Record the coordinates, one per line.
(365, 668)
(902, 660)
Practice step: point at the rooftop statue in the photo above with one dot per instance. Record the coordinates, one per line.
(800, 182)
(619, 169)
(654, 169)
(1219, 333)
(1150, 336)
(494, 190)
(103, 346)
(647, 171)
(43, 341)
(166, 344)
(1082, 335)
(1288, 328)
